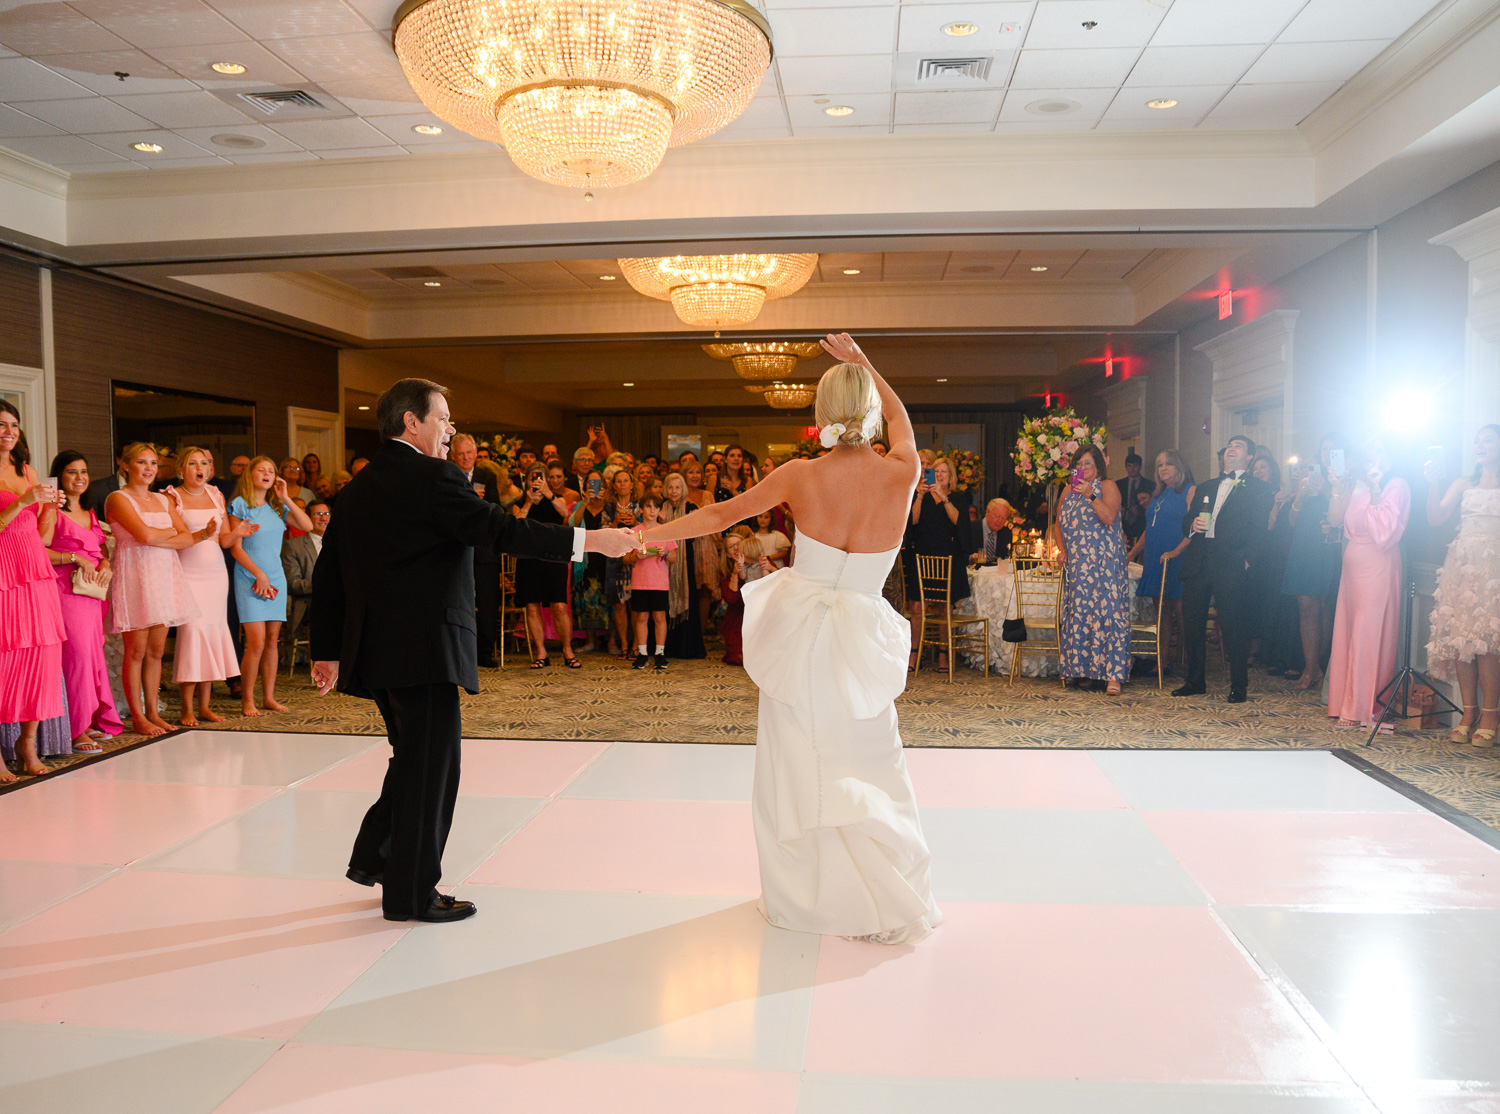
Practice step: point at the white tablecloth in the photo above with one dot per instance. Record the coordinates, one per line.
(992, 594)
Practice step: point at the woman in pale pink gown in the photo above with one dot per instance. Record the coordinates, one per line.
(1372, 506)
(205, 650)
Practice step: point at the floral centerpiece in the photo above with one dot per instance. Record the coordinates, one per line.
(808, 448)
(503, 451)
(968, 469)
(1045, 448)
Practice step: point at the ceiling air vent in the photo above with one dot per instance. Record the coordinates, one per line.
(285, 102)
(945, 69)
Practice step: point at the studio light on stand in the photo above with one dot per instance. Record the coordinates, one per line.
(1408, 416)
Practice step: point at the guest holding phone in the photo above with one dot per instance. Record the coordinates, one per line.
(1095, 627)
(544, 583)
(937, 529)
(590, 608)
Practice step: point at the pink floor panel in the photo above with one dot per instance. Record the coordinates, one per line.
(1123, 935)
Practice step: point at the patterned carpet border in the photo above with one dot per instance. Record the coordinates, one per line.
(707, 701)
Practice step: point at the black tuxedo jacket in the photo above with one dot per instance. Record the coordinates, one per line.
(393, 590)
(1241, 531)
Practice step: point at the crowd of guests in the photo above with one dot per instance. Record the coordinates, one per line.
(160, 547)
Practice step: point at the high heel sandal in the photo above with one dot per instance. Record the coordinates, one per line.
(1460, 734)
(1485, 737)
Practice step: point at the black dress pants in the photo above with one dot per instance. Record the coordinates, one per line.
(405, 831)
(1223, 580)
(487, 603)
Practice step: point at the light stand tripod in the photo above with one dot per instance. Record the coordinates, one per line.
(1401, 684)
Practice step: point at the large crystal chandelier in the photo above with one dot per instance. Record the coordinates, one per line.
(584, 92)
(719, 290)
(764, 359)
(785, 396)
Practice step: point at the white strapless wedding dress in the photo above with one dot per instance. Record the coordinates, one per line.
(841, 846)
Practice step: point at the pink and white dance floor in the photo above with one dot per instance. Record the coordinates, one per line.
(1170, 932)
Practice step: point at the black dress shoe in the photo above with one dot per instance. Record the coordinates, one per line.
(1236, 696)
(443, 908)
(1189, 690)
(487, 661)
(364, 877)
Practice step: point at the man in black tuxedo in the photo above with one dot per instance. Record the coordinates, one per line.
(1227, 523)
(462, 451)
(393, 621)
(1132, 509)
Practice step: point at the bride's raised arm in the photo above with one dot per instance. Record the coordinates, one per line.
(717, 517)
(899, 435)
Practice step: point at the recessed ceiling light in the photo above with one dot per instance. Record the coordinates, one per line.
(1165, 102)
(606, 278)
(838, 110)
(364, 407)
(239, 142)
(432, 282)
(231, 68)
(821, 100)
(149, 148)
(627, 384)
(960, 29)
(427, 129)
(1052, 106)
(1039, 268)
(942, 380)
(851, 270)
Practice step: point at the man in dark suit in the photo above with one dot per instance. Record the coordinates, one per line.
(1227, 524)
(102, 488)
(1132, 509)
(462, 451)
(393, 621)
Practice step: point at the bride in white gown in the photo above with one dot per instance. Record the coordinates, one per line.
(841, 846)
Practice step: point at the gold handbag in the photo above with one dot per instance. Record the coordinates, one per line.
(82, 586)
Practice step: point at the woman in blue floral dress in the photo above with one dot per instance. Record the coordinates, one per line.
(1096, 589)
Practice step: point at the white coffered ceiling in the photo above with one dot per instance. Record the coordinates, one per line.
(1053, 65)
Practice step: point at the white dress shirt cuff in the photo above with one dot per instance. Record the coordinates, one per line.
(579, 535)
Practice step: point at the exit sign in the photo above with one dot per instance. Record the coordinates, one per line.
(1226, 304)
(1109, 367)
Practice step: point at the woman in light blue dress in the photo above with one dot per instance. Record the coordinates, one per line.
(259, 584)
(1163, 543)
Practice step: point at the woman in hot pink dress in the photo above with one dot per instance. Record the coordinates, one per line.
(31, 623)
(148, 594)
(1372, 506)
(77, 549)
(205, 650)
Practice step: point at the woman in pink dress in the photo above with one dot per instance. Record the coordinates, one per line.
(205, 650)
(77, 552)
(1372, 506)
(148, 594)
(31, 623)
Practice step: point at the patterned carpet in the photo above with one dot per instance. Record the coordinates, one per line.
(712, 702)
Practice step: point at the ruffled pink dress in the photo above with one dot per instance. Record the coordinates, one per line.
(1367, 623)
(31, 622)
(90, 701)
(205, 650)
(148, 589)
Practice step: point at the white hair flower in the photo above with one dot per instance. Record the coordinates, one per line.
(831, 434)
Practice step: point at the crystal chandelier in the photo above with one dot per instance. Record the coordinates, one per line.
(785, 396)
(719, 290)
(584, 92)
(764, 359)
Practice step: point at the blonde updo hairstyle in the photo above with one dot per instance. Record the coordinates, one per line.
(846, 394)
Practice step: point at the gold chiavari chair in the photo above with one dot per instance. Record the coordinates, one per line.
(509, 611)
(932, 580)
(1145, 638)
(1039, 589)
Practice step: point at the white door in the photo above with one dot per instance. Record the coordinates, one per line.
(316, 431)
(22, 388)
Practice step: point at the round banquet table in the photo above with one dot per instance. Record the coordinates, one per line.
(992, 595)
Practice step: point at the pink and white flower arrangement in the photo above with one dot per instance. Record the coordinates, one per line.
(1046, 445)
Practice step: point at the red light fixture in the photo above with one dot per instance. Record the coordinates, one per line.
(1109, 367)
(1226, 305)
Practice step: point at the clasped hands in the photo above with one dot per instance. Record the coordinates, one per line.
(616, 541)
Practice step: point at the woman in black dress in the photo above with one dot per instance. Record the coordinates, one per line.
(544, 582)
(939, 527)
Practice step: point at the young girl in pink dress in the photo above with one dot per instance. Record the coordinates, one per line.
(148, 594)
(77, 553)
(31, 624)
(1372, 506)
(205, 650)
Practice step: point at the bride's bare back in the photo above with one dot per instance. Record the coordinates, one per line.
(852, 499)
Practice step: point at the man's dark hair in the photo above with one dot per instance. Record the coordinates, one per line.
(1243, 440)
(317, 503)
(414, 395)
(1133, 458)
